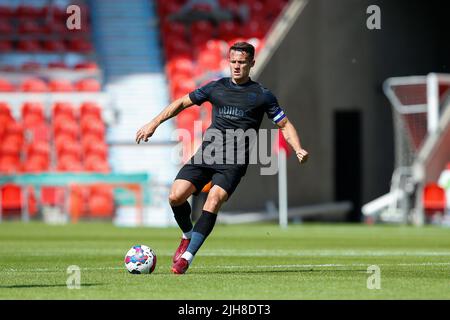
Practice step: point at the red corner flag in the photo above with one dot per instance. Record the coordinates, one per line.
(281, 143)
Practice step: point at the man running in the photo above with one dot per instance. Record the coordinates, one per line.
(238, 104)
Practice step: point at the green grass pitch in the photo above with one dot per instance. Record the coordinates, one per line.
(260, 261)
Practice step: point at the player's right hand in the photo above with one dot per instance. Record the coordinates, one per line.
(145, 132)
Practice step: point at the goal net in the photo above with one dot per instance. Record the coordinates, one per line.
(417, 104)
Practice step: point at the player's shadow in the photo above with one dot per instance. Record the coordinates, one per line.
(25, 286)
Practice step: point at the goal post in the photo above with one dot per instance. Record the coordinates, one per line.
(417, 102)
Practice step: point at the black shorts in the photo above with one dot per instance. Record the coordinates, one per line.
(227, 178)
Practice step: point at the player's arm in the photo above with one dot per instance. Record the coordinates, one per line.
(290, 134)
(170, 111)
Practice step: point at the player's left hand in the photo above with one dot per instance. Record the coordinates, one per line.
(302, 155)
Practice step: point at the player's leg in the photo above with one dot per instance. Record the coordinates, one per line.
(203, 227)
(224, 183)
(179, 193)
(189, 181)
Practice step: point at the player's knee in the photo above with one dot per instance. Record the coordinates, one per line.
(175, 198)
(213, 203)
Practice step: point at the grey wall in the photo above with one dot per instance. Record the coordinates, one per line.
(330, 61)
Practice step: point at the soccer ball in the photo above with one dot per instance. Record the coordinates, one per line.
(140, 259)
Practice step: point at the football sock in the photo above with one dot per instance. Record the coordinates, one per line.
(182, 214)
(201, 231)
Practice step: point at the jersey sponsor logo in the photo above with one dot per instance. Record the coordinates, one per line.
(231, 112)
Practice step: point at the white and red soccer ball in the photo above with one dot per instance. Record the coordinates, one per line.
(140, 259)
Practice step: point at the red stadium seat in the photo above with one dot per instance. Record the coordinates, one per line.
(177, 47)
(274, 7)
(180, 88)
(61, 85)
(173, 28)
(88, 118)
(63, 108)
(434, 199)
(5, 109)
(94, 127)
(101, 189)
(6, 46)
(33, 85)
(57, 65)
(14, 134)
(54, 46)
(30, 66)
(87, 65)
(6, 86)
(55, 26)
(61, 139)
(69, 128)
(55, 12)
(185, 120)
(6, 11)
(36, 163)
(89, 138)
(229, 30)
(30, 27)
(7, 67)
(9, 164)
(52, 196)
(11, 197)
(29, 11)
(14, 128)
(39, 132)
(12, 200)
(256, 29)
(6, 26)
(88, 85)
(29, 45)
(71, 148)
(89, 107)
(68, 162)
(32, 120)
(209, 61)
(97, 149)
(32, 107)
(180, 66)
(202, 27)
(41, 148)
(32, 114)
(95, 163)
(167, 7)
(216, 46)
(257, 11)
(6, 117)
(100, 206)
(11, 145)
(80, 45)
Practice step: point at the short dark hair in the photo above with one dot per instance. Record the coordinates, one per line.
(244, 46)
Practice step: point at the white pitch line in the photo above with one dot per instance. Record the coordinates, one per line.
(328, 265)
(252, 266)
(271, 253)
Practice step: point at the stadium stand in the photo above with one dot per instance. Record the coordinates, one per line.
(43, 126)
(196, 50)
(47, 74)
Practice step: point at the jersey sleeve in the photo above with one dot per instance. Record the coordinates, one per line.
(272, 109)
(202, 94)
